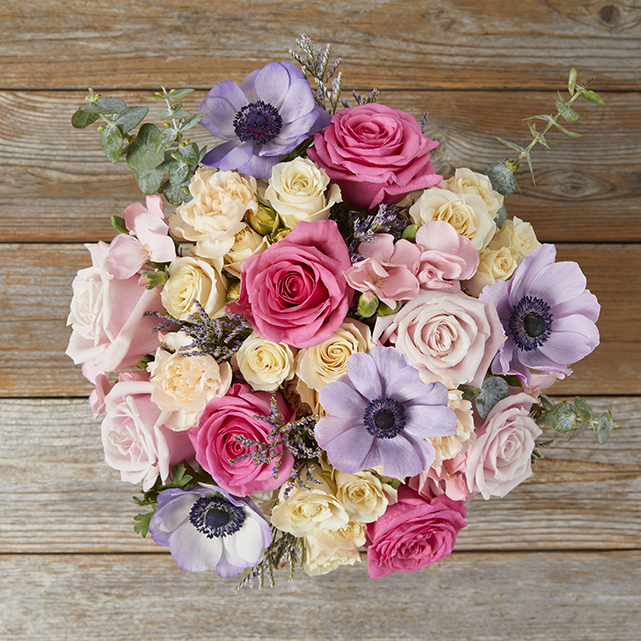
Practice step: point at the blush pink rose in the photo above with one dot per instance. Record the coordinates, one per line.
(500, 458)
(295, 291)
(375, 154)
(135, 438)
(447, 337)
(109, 326)
(413, 533)
(214, 439)
(446, 478)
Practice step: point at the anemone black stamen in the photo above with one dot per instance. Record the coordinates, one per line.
(530, 324)
(258, 122)
(384, 418)
(215, 516)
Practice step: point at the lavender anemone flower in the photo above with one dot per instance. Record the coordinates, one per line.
(547, 314)
(207, 528)
(381, 413)
(268, 115)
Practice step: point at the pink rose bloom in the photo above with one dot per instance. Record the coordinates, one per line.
(215, 442)
(446, 478)
(375, 154)
(147, 240)
(388, 269)
(500, 458)
(413, 533)
(109, 326)
(97, 398)
(447, 337)
(446, 256)
(295, 291)
(135, 438)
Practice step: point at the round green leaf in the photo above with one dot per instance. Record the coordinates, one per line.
(142, 155)
(82, 119)
(111, 142)
(131, 117)
(149, 181)
(562, 417)
(178, 173)
(492, 391)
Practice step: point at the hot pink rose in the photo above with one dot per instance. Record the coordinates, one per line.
(375, 154)
(135, 438)
(295, 291)
(109, 326)
(500, 458)
(446, 478)
(215, 442)
(413, 533)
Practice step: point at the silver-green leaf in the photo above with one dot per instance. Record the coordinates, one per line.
(149, 181)
(131, 117)
(111, 142)
(142, 155)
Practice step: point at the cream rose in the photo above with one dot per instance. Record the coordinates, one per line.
(194, 279)
(363, 495)
(298, 190)
(448, 447)
(494, 264)
(327, 362)
(467, 213)
(246, 243)
(518, 236)
(185, 384)
(328, 550)
(466, 181)
(214, 216)
(263, 364)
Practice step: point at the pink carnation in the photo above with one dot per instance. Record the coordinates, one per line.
(413, 533)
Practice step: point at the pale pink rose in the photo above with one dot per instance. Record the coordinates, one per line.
(388, 270)
(540, 381)
(109, 326)
(413, 533)
(447, 337)
(500, 458)
(446, 256)
(97, 398)
(135, 438)
(375, 155)
(447, 477)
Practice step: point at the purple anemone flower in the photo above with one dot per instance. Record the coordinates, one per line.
(381, 413)
(206, 528)
(547, 314)
(268, 115)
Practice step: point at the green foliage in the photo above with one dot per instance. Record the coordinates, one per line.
(493, 390)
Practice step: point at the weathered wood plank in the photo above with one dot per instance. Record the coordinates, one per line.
(59, 186)
(36, 282)
(59, 496)
(494, 597)
(388, 43)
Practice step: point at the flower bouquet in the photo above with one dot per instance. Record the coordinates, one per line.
(325, 347)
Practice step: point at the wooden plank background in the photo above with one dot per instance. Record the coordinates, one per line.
(560, 556)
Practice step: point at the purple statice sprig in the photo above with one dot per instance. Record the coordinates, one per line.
(284, 548)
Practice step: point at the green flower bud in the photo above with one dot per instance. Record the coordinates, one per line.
(233, 292)
(367, 304)
(264, 221)
(409, 233)
(282, 232)
(155, 279)
(501, 177)
(384, 310)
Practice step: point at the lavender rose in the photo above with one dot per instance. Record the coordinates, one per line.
(375, 154)
(500, 458)
(413, 533)
(295, 291)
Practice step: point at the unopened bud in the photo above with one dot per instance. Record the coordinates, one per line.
(264, 221)
(153, 279)
(409, 233)
(384, 310)
(233, 292)
(367, 304)
(281, 234)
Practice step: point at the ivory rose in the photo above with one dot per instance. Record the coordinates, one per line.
(518, 236)
(494, 264)
(447, 447)
(214, 215)
(363, 495)
(466, 181)
(263, 364)
(328, 550)
(447, 337)
(500, 458)
(246, 243)
(299, 190)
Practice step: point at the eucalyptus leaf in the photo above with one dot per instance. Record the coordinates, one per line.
(166, 139)
(605, 428)
(118, 223)
(547, 402)
(131, 117)
(188, 154)
(579, 430)
(493, 390)
(82, 119)
(149, 181)
(567, 132)
(469, 391)
(538, 136)
(572, 81)
(108, 105)
(562, 417)
(501, 216)
(593, 97)
(183, 113)
(566, 111)
(178, 173)
(111, 142)
(501, 177)
(191, 121)
(174, 194)
(179, 94)
(583, 409)
(142, 155)
(511, 145)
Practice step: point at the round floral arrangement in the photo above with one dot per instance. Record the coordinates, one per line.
(326, 348)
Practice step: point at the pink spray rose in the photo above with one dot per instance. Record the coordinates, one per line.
(413, 533)
(375, 154)
(500, 458)
(295, 291)
(214, 439)
(108, 321)
(135, 438)
(447, 477)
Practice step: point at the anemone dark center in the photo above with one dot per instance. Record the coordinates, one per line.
(384, 418)
(215, 516)
(530, 324)
(259, 122)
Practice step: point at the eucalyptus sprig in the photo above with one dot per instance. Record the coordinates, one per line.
(150, 152)
(502, 173)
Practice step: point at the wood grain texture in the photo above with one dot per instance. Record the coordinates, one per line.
(37, 280)
(59, 496)
(59, 186)
(388, 43)
(489, 597)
